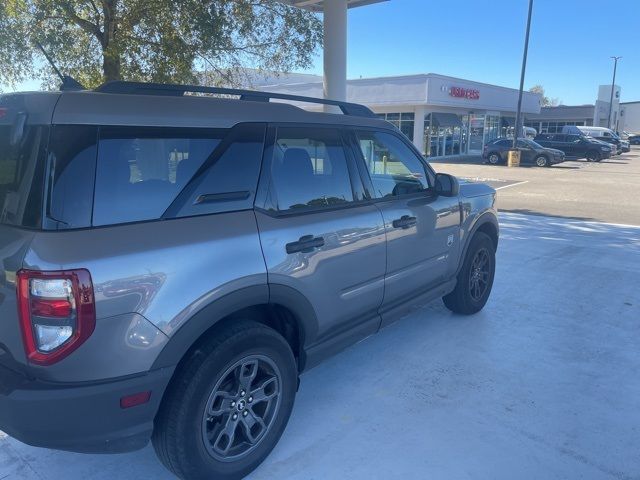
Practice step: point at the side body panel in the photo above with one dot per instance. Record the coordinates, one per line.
(149, 278)
(14, 244)
(343, 279)
(424, 255)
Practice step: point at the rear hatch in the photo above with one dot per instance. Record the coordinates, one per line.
(24, 130)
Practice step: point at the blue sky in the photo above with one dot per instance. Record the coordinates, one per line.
(571, 42)
(569, 48)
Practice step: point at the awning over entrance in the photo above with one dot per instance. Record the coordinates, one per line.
(508, 121)
(445, 120)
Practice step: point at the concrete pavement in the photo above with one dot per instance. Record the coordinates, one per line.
(607, 191)
(542, 384)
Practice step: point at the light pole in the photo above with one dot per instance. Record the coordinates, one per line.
(524, 67)
(613, 86)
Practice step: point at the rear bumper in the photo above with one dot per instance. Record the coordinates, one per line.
(83, 418)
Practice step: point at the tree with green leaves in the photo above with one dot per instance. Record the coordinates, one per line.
(212, 41)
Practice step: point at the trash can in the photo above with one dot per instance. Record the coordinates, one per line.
(514, 158)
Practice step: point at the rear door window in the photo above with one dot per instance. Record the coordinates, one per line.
(229, 178)
(310, 169)
(140, 171)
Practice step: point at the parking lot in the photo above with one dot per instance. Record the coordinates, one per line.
(606, 191)
(543, 383)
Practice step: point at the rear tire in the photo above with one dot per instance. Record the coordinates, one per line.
(228, 405)
(474, 282)
(494, 158)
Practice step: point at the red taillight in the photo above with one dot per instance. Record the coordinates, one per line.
(57, 313)
(51, 308)
(3, 112)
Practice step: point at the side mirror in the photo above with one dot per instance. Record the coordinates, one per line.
(447, 185)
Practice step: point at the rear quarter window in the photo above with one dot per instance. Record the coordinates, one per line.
(140, 171)
(72, 166)
(22, 174)
(105, 175)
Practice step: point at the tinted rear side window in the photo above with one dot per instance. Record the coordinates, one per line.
(72, 166)
(22, 173)
(140, 171)
(229, 178)
(309, 169)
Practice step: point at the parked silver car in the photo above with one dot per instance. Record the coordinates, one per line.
(171, 263)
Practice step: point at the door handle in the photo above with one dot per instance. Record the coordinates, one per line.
(306, 244)
(404, 222)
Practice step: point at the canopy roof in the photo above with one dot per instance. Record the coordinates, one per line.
(318, 5)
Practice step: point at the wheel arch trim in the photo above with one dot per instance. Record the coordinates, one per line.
(258, 295)
(486, 218)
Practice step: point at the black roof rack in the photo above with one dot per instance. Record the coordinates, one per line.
(141, 88)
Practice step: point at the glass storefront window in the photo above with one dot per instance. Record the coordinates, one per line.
(442, 141)
(492, 128)
(476, 133)
(403, 122)
(551, 127)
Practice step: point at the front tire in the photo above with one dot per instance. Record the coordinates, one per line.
(475, 278)
(542, 161)
(494, 158)
(593, 156)
(228, 405)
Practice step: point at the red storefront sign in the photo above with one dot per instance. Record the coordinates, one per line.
(468, 93)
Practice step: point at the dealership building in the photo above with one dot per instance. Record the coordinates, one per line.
(441, 115)
(625, 116)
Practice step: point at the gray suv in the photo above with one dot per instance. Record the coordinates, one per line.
(173, 257)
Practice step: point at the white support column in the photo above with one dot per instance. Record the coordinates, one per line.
(418, 128)
(335, 49)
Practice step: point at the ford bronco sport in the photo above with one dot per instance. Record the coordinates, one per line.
(173, 257)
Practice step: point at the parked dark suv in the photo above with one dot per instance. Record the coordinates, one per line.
(171, 263)
(575, 146)
(497, 151)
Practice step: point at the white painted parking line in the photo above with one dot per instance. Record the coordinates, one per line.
(512, 185)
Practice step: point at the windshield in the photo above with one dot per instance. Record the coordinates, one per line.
(20, 179)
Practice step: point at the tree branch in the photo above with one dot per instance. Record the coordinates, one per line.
(86, 25)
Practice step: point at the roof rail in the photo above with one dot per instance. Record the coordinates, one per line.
(142, 88)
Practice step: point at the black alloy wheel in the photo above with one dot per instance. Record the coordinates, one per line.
(475, 278)
(479, 274)
(241, 408)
